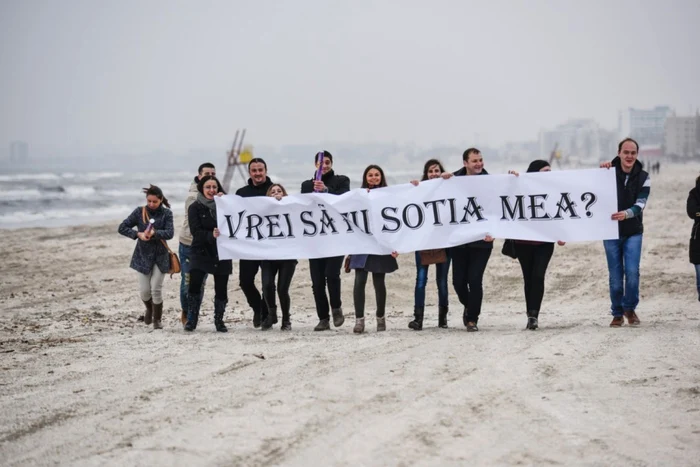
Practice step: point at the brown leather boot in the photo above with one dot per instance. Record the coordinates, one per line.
(381, 324)
(359, 326)
(148, 317)
(157, 315)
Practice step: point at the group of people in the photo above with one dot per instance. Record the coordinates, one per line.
(152, 225)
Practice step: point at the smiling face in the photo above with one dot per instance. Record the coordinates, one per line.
(474, 163)
(373, 178)
(327, 165)
(208, 171)
(628, 155)
(153, 202)
(276, 192)
(434, 171)
(258, 173)
(210, 189)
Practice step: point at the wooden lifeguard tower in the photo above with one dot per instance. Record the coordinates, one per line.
(237, 158)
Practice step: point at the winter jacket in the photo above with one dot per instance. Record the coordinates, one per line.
(204, 254)
(251, 189)
(185, 234)
(146, 254)
(374, 263)
(336, 184)
(693, 209)
(632, 193)
(479, 243)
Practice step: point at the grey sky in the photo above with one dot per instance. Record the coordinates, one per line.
(180, 74)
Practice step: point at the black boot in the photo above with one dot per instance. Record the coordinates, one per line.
(286, 321)
(193, 305)
(157, 315)
(442, 317)
(219, 309)
(417, 323)
(270, 319)
(465, 318)
(148, 317)
(532, 323)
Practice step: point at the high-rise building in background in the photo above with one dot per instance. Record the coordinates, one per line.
(682, 136)
(646, 126)
(19, 151)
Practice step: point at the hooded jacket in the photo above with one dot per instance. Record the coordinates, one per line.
(693, 209)
(633, 190)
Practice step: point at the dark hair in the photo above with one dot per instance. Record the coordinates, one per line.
(619, 146)
(206, 165)
(465, 156)
(428, 165)
(259, 160)
(158, 193)
(381, 172)
(537, 165)
(205, 179)
(274, 185)
(326, 155)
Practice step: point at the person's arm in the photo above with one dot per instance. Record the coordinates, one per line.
(199, 233)
(641, 202)
(168, 230)
(692, 207)
(126, 228)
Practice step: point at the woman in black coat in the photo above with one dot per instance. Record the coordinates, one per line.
(693, 209)
(204, 256)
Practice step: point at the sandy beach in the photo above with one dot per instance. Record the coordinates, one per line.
(83, 382)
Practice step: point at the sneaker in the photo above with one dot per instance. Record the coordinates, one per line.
(617, 322)
(471, 327)
(338, 318)
(323, 325)
(632, 318)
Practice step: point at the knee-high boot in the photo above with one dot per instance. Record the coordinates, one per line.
(193, 304)
(148, 317)
(219, 309)
(442, 317)
(157, 315)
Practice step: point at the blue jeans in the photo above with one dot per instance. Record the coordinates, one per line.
(441, 270)
(184, 253)
(623, 257)
(697, 279)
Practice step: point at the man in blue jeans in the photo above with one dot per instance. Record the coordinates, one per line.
(186, 240)
(623, 254)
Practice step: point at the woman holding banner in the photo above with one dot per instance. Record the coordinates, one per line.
(534, 258)
(283, 269)
(693, 209)
(378, 265)
(431, 170)
(204, 255)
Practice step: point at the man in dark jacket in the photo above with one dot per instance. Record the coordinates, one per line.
(326, 271)
(469, 260)
(258, 184)
(624, 254)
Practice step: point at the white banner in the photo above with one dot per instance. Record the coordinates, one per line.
(573, 205)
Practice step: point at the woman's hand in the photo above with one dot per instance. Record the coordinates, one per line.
(216, 232)
(219, 194)
(560, 243)
(414, 182)
(143, 236)
(394, 254)
(446, 175)
(514, 172)
(488, 238)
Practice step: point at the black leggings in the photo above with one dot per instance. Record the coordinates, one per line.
(534, 260)
(220, 284)
(284, 270)
(468, 267)
(358, 292)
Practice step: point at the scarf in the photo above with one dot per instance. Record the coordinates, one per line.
(209, 203)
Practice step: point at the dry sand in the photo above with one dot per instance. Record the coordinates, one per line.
(82, 382)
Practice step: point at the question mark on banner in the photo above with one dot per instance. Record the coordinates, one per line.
(590, 199)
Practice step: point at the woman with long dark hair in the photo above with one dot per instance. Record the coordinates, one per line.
(204, 255)
(431, 170)
(378, 265)
(154, 225)
(693, 209)
(283, 270)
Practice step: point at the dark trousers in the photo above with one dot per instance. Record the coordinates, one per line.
(534, 260)
(197, 277)
(358, 292)
(248, 271)
(468, 267)
(284, 270)
(326, 272)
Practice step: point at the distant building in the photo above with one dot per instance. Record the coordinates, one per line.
(682, 136)
(578, 142)
(646, 126)
(19, 151)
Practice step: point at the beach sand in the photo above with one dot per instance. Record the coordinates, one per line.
(82, 382)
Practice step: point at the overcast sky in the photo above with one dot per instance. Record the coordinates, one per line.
(172, 75)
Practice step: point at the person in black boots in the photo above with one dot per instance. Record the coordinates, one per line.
(431, 170)
(204, 255)
(534, 258)
(469, 260)
(693, 209)
(283, 269)
(258, 184)
(326, 271)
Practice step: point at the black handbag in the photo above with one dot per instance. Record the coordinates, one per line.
(509, 248)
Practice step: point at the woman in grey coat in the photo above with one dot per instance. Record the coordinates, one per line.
(150, 226)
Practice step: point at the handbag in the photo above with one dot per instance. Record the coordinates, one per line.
(509, 249)
(174, 260)
(437, 256)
